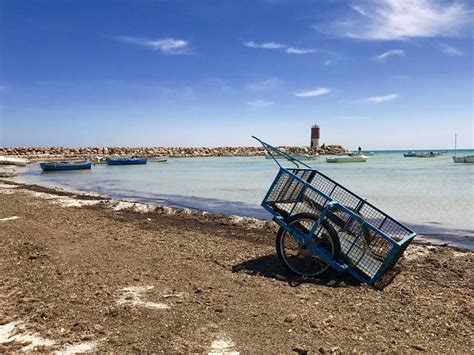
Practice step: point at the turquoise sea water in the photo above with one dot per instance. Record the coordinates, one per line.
(434, 196)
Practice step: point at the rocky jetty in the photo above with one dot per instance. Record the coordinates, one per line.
(52, 153)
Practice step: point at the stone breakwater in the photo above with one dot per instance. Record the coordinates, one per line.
(178, 152)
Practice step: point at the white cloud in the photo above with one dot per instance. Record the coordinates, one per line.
(314, 92)
(327, 62)
(451, 51)
(259, 103)
(264, 85)
(399, 20)
(381, 99)
(165, 45)
(393, 52)
(292, 50)
(264, 45)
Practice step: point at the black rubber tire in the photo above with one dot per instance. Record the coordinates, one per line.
(333, 248)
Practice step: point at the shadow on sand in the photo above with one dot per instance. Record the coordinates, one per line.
(269, 266)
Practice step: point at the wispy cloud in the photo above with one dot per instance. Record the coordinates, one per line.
(399, 20)
(451, 51)
(264, 45)
(391, 53)
(381, 99)
(164, 45)
(264, 85)
(314, 92)
(259, 103)
(292, 50)
(275, 45)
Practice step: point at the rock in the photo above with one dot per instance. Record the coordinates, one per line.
(219, 309)
(300, 350)
(99, 329)
(290, 318)
(419, 347)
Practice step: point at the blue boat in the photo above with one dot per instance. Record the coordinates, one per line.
(126, 161)
(66, 165)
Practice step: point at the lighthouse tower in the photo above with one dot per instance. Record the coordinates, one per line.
(314, 136)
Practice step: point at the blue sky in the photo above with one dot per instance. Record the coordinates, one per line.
(383, 74)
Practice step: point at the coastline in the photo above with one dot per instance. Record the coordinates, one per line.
(95, 274)
(430, 235)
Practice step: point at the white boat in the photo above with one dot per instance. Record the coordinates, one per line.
(162, 159)
(303, 156)
(7, 171)
(468, 159)
(361, 153)
(347, 159)
(13, 161)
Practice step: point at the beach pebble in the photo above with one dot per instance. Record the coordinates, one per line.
(290, 318)
(219, 309)
(99, 329)
(418, 347)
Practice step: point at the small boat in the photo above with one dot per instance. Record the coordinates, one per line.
(99, 160)
(66, 165)
(13, 161)
(161, 159)
(426, 155)
(468, 159)
(126, 161)
(347, 159)
(351, 154)
(7, 171)
(304, 156)
(413, 154)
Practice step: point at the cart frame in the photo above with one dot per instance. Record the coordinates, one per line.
(371, 241)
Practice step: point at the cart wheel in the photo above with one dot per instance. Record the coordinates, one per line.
(295, 257)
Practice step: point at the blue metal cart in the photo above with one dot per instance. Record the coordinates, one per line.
(324, 225)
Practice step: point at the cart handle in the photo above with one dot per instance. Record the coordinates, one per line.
(269, 148)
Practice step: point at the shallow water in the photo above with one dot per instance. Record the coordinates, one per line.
(433, 196)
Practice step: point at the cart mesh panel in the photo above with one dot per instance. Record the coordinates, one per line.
(362, 248)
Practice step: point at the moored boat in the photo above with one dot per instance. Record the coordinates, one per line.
(303, 156)
(99, 160)
(410, 154)
(126, 161)
(13, 161)
(160, 159)
(468, 159)
(306, 156)
(426, 155)
(66, 165)
(347, 159)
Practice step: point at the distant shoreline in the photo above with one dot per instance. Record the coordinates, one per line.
(177, 152)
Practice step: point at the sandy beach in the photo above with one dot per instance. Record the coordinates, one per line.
(82, 273)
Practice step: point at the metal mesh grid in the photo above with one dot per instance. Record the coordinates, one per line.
(361, 247)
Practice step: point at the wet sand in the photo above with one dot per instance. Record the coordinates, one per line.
(82, 273)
